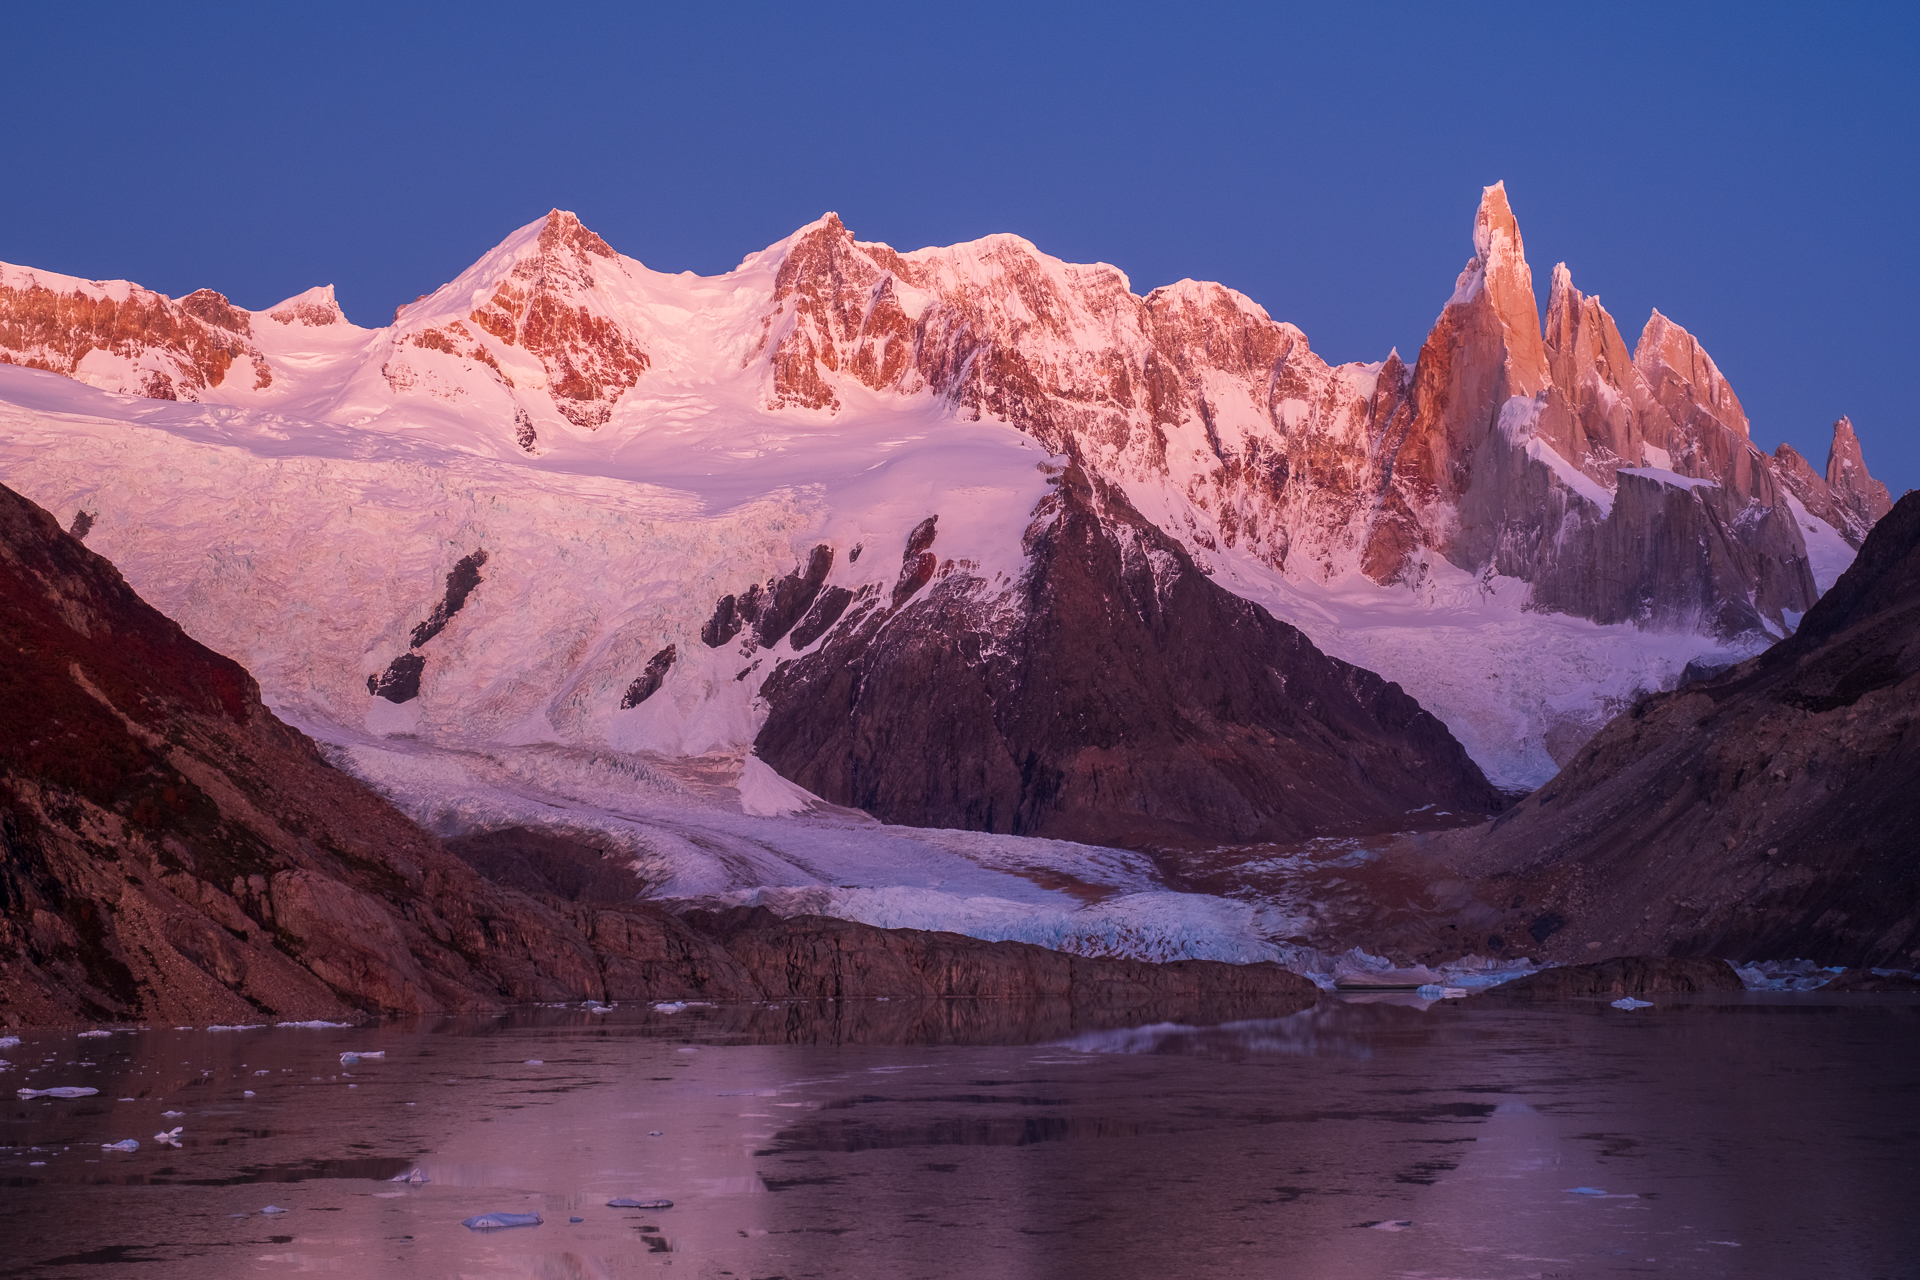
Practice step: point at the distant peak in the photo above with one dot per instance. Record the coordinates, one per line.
(316, 307)
(563, 229)
(1494, 226)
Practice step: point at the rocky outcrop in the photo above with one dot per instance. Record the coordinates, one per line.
(400, 682)
(1625, 976)
(1770, 810)
(820, 957)
(545, 306)
(1115, 694)
(1846, 497)
(123, 338)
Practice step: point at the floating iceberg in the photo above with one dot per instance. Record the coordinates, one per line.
(628, 1202)
(64, 1091)
(488, 1221)
(1785, 975)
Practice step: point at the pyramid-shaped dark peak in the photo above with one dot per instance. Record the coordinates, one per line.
(564, 230)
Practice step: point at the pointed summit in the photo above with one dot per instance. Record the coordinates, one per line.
(553, 291)
(1594, 375)
(564, 230)
(1865, 498)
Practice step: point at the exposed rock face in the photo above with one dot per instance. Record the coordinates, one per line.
(1772, 810)
(123, 338)
(1846, 497)
(1115, 694)
(815, 957)
(1625, 976)
(400, 682)
(545, 307)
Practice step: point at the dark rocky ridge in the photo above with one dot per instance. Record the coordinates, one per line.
(400, 682)
(169, 851)
(1119, 696)
(1625, 976)
(1771, 810)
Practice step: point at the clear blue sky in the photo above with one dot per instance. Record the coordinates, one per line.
(1749, 169)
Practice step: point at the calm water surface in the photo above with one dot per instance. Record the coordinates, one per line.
(1767, 1136)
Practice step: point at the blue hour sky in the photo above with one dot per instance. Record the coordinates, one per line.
(1750, 170)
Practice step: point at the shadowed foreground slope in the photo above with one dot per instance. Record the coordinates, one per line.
(1770, 811)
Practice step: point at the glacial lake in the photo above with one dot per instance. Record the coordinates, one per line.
(1757, 1136)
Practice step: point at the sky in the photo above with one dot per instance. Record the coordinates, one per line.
(1751, 170)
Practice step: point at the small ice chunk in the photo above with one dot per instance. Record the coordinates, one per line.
(1585, 1191)
(169, 1136)
(654, 1133)
(411, 1175)
(168, 1115)
(259, 1073)
(36, 1164)
(63, 1091)
(1628, 1002)
(316, 1024)
(88, 1035)
(628, 1202)
(576, 1219)
(125, 1144)
(273, 1208)
(8, 1042)
(349, 1058)
(669, 1006)
(1392, 1224)
(246, 1093)
(487, 1221)
(535, 1062)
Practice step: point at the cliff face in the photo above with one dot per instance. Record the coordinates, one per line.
(1114, 694)
(1771, 810)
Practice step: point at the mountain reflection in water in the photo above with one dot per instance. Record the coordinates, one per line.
(1759, 1136)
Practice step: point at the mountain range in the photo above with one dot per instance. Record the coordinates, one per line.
(722, 570)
